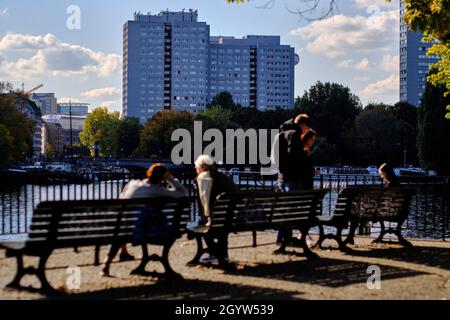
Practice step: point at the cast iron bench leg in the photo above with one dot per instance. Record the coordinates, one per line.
(165, 261)
(97, 255)
(321, 237)
(19, 273)
(306, 250)
(351, 235)
(200, 251)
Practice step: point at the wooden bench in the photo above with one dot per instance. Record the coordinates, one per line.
(258, 211)
(67, 224)
(356, 205)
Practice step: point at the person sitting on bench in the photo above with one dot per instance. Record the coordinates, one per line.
(147, 188)
(210, 183)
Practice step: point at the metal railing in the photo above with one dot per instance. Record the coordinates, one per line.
(429, 217)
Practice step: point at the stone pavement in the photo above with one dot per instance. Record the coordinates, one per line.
(421, 272)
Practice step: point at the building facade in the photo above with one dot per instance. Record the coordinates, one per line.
(77, 109)
(32, 111)
(170, 61)
(52, 135)
(414, 62)
(71, 127)
(46, 102)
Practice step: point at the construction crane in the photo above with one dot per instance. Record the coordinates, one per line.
(34, 89)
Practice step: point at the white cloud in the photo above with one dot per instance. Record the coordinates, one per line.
(4, 12)
(112, 105)
(379, 3)
(342, 35)
(68, 99)
(345, 64)
(364, 65)
(382, 90)
(391, 63)
(51, 55)
(102, 93)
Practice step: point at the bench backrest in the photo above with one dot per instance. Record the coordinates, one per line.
(251, 210)
(87, 222)
(373, 203)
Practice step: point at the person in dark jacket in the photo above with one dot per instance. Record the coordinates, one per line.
(288, 153)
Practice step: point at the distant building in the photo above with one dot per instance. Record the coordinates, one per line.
(257, 70)
(171, 62)
(414, 62)
(46, 102)
(53, 134)
(78, 109)
(31, 110)
(64, 121)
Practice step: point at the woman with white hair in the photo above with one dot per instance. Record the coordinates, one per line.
(210, 183)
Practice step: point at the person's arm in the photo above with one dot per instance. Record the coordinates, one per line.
(205, 182)
(177, 191)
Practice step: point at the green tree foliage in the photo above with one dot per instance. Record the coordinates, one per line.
(6, 146)
(157, 132)
(324, 153)
(332, 108)
(101, 126)
(382, 133)
(223, 100)
(127, 137)
(434, 131)
(16, 129)
(216, 117)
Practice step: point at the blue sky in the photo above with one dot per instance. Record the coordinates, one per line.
(357, 47)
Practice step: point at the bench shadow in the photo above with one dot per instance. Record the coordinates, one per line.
(331, 273)
(182, 289)
(428, 256)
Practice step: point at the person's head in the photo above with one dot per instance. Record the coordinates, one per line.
(304, 122)
(156, 173)
(204, 163)
(309, 138)
(386, 172)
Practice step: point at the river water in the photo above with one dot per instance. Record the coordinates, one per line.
(429, 217)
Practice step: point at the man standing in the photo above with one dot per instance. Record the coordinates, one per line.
(289, 155)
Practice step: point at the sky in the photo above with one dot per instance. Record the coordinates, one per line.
(74, 48)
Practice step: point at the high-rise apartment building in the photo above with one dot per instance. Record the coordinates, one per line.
(170, 61)
(414, 62)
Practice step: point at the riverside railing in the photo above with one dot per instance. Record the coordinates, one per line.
(429, 217)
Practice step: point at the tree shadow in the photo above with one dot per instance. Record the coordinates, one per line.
(324, 272)
(428, 256)
(182, 289)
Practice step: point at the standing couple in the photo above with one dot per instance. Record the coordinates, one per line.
(291, 153)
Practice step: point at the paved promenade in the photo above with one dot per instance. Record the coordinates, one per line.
(421, 272)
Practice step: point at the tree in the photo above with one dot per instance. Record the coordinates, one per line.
(157, 132)
(223, 100)
(434, 130)
(6, 146)
(332, 108)
(127, 137)
(216, 117)
(101, 126)
(16, 128)
(324, 153)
